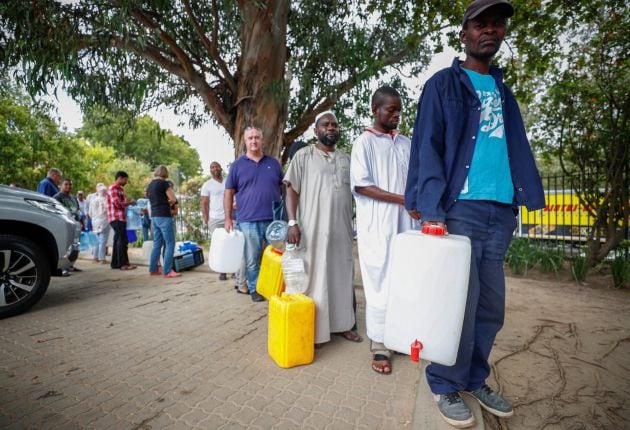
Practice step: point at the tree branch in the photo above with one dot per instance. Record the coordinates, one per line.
(345, 86)
(191, 76)
(211, 46)
(314, 109)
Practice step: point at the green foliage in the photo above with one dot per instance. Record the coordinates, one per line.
(578, 85)
(579, 268)
(620, 269)
(31, 143)
(520, 256)
(141, 138)
(134, 54)
(549, 258)
(140, 175)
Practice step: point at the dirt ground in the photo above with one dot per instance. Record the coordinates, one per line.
(563, 356)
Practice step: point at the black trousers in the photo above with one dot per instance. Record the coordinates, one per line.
(119, 253)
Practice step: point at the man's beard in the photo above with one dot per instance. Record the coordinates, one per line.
(329, 139)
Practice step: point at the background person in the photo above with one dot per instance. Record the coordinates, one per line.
(212, 194)
(162, 198)
(50, 184)
(255, 179)
(100, 226)
(145, 216)
(116, 215)
(65, 197)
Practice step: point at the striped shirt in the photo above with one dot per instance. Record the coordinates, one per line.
(116, 203)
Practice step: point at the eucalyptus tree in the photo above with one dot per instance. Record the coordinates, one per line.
(274, 63)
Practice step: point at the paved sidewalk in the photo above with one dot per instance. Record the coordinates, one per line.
(125, 350)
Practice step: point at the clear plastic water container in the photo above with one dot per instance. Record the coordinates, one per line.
(226, 251)
(277, 235)
(134, 220)
(293, 270)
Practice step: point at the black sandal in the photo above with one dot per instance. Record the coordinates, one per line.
(386, 368)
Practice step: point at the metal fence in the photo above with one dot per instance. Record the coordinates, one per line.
(564, 222)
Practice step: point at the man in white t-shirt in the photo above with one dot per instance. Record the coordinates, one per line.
(212, 201)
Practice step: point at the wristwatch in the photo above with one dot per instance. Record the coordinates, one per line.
(292, 223)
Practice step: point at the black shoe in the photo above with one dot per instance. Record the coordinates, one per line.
(257, 297)
(222, 277)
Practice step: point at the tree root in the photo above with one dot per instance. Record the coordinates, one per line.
(525, 347)
(588, 362)
(614, 346)
(554, 419)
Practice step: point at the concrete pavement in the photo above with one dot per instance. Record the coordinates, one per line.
(124, 350)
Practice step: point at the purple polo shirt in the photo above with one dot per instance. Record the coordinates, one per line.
(257, 186)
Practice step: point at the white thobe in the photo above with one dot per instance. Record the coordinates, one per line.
(379, 160)
(324, 214)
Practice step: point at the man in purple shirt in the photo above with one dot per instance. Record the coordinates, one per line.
(255, 179)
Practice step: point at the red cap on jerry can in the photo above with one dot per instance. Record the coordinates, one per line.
(433, 230)
(416, 346)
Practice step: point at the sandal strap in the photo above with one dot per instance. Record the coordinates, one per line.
(379, 348)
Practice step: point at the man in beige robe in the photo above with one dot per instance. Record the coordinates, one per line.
(319, 206)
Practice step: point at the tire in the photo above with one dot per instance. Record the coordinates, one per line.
(24, 275)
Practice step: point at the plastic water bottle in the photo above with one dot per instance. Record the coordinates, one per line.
(293, 270)
(276, 235)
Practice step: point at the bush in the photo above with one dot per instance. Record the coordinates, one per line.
(549, 259)
(520, 256)
(620, 268)
(579, 268)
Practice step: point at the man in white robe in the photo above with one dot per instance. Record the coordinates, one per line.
(378, 172)
(319, 206)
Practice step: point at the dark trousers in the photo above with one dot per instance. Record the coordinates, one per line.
(119, 251)
(490, 227)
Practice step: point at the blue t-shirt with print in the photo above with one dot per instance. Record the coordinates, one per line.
(489, 177)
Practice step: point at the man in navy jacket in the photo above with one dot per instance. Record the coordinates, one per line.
(470, 168)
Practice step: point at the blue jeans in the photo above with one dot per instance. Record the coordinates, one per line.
(490, 227)
(254, 233)
(99, 251)
(163, 234)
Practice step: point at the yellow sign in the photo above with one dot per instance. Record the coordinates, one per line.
(563, 215)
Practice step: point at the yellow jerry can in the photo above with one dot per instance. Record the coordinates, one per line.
(291, 333)
(270, 280)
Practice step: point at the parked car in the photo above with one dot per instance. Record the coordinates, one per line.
(38, 237)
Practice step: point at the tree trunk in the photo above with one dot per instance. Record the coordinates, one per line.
(262, 92)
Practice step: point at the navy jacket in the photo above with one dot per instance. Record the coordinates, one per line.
(443, 142)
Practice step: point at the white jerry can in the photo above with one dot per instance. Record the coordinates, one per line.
(226, 251)
(147, 248)
(428, 287)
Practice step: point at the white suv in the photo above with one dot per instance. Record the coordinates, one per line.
(38, 237)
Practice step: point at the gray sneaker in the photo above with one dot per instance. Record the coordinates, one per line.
(492, 401)
(454, 410)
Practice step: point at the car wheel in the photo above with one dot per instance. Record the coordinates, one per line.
(24, 275)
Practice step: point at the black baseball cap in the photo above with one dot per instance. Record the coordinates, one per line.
(477, 7)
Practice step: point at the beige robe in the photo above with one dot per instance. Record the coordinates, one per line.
(324, 215)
